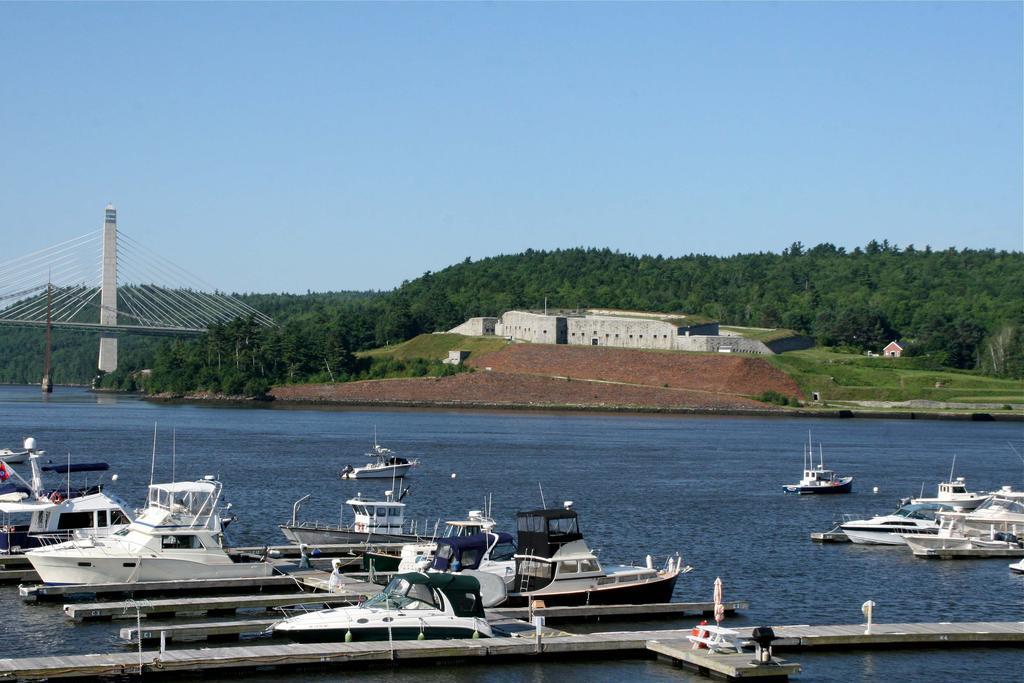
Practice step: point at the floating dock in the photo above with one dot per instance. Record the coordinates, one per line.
(966, 553)
(194, 586)
(731, 665)
(836, 535)
(911, 635)
(360, 655)
(211, 605)
(581, 613)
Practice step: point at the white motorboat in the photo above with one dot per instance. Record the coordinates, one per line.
(1017, 567)
(375, 521)
(414, 606)
(954, 493)
(554, 564)
(893, 529)
(385, 465)
(17, 457)
(33, 515)
(1003, 511)
(953, 535)
(420, 555)
(178, 536)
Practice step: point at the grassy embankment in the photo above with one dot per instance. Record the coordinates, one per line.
(435, 347)
(851, 377)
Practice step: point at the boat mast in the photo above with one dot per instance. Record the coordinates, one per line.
(47, 384)
(953, 467)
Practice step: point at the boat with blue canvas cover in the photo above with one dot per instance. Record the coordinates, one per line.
(34, 515)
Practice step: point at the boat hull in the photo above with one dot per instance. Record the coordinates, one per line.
(641, 593)
(333, 535)
(879, 537)
(845, 486)
(380, 562)
(379, 633)
(86, 570)
(396, 472)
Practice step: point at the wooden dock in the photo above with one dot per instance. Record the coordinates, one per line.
(732, 665)
(193, 586)
(339, 655)
(664, 610)
(911, 635)
(966, 553)
(210, 605)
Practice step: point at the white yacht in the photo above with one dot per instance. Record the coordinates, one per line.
(178, 536)
(1003, 511)
(416, 556)
(893, 529)
(385, 465)
(414, 606)
(954, 493)
(32, 515)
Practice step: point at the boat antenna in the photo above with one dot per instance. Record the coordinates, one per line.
(821, 456)
(152, 462)
(69, 474)
(173, 454)
(542, 503)
(952, 468)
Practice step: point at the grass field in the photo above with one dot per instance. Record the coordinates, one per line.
(436, 347)
(841, 376)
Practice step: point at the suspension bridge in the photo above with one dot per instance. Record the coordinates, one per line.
(108, 282)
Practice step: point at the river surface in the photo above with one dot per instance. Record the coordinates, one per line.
(706, 487)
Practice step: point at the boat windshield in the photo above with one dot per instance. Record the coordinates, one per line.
(401, 594)
(1002, 505)
(926, 511)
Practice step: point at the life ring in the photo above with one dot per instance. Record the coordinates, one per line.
(56, 498)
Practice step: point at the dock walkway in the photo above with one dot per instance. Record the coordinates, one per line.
(212, 605)
(850, 636)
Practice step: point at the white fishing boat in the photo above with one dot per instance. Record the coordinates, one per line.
(385, 465)
(374, 521)
(955, 494)
(1003, 511)
(1017, 567)
(179, 536)
(413, 606)
(893, 529)
(32, 515)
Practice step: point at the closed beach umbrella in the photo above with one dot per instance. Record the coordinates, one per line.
(719, 607)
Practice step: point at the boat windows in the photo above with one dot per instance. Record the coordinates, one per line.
(401, 594)
(394, 512)
(75, 520)
(563, 526)
(101, 518)
(470, 557)
(568, 567)
(503, 552)
(118, 517)
(382, 512)
(541, 570)
(589, 566)
(180, 542)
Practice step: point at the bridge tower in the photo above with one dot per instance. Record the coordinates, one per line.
(108, 291)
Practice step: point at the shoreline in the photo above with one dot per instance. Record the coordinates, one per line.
(835, 413)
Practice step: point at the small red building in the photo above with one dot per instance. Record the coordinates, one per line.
(892, 350)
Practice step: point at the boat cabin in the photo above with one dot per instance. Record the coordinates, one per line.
(476, 524)
(378, 517)
(188, 498)
(58, 519)
(819, 475)
(949, 488)
(543, 532)
(467, 552)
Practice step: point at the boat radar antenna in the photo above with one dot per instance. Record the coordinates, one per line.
(542, 503)
(152, 461)
(952, 467)
(174, 454)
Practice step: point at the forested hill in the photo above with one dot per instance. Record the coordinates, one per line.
(963, 307)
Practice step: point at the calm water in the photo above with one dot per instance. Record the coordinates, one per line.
(708, 488)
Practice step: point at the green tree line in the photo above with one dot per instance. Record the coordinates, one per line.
(959, 308)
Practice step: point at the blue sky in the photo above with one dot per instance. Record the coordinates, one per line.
(286, 147)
